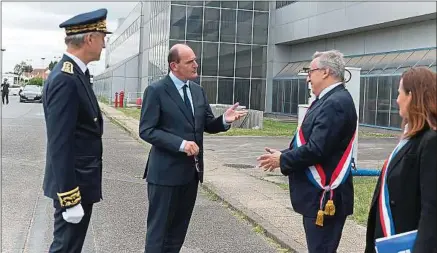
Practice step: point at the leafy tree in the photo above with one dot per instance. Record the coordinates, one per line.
(22, 67)
(28, 68)
(36, 81)
(19, 68)
(52, 65)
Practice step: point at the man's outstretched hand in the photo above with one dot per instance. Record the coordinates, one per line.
(232, 114)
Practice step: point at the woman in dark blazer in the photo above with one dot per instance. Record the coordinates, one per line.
(408, 179)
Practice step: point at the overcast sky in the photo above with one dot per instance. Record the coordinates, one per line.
(30, 30)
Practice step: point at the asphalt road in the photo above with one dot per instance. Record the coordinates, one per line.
(118, 222)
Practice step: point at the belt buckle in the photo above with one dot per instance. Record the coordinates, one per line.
(196, 163)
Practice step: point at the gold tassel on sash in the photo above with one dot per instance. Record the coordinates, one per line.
(330, 208)
(319, 219)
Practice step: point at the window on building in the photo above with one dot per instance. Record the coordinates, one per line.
(225, 90)
(227, 25)
(259, 61)
(257, 94)
(242, 91)
(178, 22)
(210, 59)
(280, 4)
(209, 85)
(194, 23)
(226, 59)
(211, 24)
(245, 5)
(244, 26)
(261, 5)
(260, 28)
(243, 61)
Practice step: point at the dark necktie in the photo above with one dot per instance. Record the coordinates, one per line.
(314, 102)
(186, 99)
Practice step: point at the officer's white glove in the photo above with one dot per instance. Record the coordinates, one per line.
(74, 214)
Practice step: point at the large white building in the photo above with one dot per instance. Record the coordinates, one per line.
(251, 52)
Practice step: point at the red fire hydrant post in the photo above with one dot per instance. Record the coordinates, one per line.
(121, 98)
(116, 100)
(139, 102)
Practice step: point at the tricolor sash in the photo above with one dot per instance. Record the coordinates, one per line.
(317, 176)
(385, 216)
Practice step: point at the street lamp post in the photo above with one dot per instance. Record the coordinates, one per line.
(44, 68)
(1, 64)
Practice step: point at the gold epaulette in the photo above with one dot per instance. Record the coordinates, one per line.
(67, 67)
(70, 198)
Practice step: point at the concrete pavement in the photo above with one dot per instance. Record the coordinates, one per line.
(119, 221)
(231, 174)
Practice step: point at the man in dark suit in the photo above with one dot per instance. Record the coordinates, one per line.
(174, 115)
(319, 158)
(74, 124)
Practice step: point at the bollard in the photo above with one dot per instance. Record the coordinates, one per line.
(121, 99)
(139, 102)
(116, 100)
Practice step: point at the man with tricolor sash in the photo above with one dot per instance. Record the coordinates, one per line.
(319, 158)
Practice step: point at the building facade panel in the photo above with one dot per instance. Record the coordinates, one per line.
(125, 41)
(329, 17)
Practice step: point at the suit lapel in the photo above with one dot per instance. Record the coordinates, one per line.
(170, 88)
(392, 167)
(313, 108)
(398, 157)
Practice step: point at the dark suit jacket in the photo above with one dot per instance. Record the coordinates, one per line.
(327, 128)
(74, 136)
(411, 180)
(165, 122)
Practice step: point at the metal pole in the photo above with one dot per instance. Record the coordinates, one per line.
(44, 68)
(1, 64)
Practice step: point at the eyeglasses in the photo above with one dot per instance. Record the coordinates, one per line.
(311, 70)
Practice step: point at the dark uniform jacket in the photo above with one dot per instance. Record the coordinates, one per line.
(74, 125)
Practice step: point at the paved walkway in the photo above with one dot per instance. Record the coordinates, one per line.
(231, 174)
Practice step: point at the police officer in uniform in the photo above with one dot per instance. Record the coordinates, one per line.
(74, 124)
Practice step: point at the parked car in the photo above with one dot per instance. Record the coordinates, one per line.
(31, 93)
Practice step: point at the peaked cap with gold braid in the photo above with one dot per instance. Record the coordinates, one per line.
(94, 21)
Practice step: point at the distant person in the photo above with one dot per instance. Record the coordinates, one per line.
(73, 173)
(174, 116)
(318, 160)
(5, 91)
(405, 196)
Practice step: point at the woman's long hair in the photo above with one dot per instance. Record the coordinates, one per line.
(422, 112)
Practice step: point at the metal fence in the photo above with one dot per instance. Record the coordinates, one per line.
(133, 99)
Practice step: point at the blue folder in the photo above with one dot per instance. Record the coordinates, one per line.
(400, 243)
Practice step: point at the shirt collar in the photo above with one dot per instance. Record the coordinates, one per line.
(178, 82)
(78, 61)
(328, 89)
